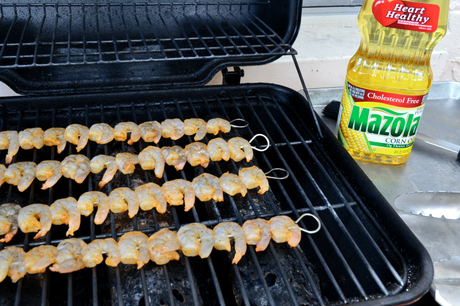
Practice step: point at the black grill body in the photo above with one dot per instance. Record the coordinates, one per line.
(109, 62)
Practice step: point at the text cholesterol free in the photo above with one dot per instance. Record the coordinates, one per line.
(414, 14)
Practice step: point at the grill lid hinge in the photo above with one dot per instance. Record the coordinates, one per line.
(232, 77)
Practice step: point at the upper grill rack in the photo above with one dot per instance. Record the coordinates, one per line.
(62, 34)
(351, 259)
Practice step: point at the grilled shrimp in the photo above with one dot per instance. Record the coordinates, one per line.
(285, 229)
(88, 200)
(35, 218)
(126, 162)
(179, 191)
(31, 138)
(232, 184)
(78, 135)
(8, 221)
(12, 264)
(253, 177)
(76, 167)
(207, 187)
(197, 154)
(55, 137)
(21, 174)
(92, 253)
(226, 230)
(257, 233)
(100, 162)
(240, 149)
(151, 131)
(218, 149)
(195, 126)
(101, 133)
(123, 199)
(216, 125)
(150, 195)
(196, 239)
(65, 211)
(69, 256)
(172, 128)
(2, 174)
(39, 258)
(163, 246)
(151, 158)
(9, 140)
(134, 249)
(49, 171)
(174, 156)
(123, 128)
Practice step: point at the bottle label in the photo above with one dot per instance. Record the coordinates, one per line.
(379, 122)
(406, 15)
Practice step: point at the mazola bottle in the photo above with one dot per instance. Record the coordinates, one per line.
(389, 77)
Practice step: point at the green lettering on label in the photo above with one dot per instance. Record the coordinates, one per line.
(397, 127)
(374, 124)
(358, 121)
(414, 127)
(386, 125)
(408, 124)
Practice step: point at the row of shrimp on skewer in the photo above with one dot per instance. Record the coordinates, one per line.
(39, 217)
(103, 133)
(136, 248)
(77, 166)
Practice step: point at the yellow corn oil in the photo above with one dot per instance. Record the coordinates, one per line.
(389, 77)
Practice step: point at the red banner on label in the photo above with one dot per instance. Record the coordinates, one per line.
(407, 15)
(365, 95)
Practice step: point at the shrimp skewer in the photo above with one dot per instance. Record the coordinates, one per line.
(226, 230)
(92, 253)
(2, 174)
(21, 174)
(151, 158)
(39, 258)
(196, 239)
(178, 192)
(101, 133)
(216, 125)
(9, 140)
(218, 149)
(31, 138)
(195, 126)
(78, 135)
(240, 149)
(232, 184)
(35, 218)
(69, 256)
(126, 162)
(257, 233)
(151, 131)
(123, 199)
(172, 128)
(134, 249)
(100, 162)
(123, 128)
(150, 195)
(285, 229)
(89, 199)
(197, 154)
(174, 156)
(207, 187)
(253, 177)
(12, 264)
(55, 137)
(65, 211)
(163, 246)
(8, 221)
(49, 171)
(76, 167)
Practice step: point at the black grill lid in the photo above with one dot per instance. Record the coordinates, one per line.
(63, 47)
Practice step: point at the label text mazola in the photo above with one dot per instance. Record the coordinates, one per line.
(385, 125)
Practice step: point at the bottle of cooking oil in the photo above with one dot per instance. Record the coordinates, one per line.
(389, 77)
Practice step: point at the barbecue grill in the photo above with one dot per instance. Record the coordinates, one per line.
(111, 62)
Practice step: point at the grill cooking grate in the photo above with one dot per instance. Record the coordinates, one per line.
(51, 34)
(350, 260)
